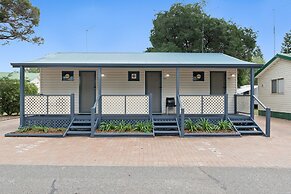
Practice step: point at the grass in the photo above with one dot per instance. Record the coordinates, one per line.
(40, 129)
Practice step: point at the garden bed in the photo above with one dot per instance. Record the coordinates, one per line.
(37, 131)
(204, 127)
(125, 129)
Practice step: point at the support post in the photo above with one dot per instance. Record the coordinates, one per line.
(177, 92)
(72, 105)
(182, 122)
(150, 106)
(93, 111)
(252, 79)
(22, 86)
(225, 106)
(235, 104)
(268, 122)
(99, 93)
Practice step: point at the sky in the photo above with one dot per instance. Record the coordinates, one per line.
(124, 26)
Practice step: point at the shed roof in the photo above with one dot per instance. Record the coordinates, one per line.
(277, 56)
(93, 59)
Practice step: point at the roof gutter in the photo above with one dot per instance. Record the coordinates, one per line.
(118, 65)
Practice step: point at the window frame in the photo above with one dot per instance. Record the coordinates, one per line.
(276, 83)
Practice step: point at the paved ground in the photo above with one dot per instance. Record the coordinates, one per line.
(51, 179)
(252, 164)
(251, 151)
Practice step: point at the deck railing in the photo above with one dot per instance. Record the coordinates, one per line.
(204, 104)
(242, 104)
(126, 105)
(49, 104)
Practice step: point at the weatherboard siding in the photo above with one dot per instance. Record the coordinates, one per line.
(116, 82)
(277, 102)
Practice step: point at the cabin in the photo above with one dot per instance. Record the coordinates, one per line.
(159, 87)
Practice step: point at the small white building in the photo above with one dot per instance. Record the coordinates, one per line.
(274, 81)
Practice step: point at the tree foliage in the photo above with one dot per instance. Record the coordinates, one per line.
(187, 28)
(286, 45)
(10, 94)
(17, 21)
(32, 70)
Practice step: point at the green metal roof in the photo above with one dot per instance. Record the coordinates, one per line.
(15, 75)
(277, 56)
(90, 59)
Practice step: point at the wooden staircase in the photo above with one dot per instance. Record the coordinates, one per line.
(246, 126)
(166, 126)
(79, 126)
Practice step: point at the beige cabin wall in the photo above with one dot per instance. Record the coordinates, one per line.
(115, 81)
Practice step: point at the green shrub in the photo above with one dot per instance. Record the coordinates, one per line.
(10, 94)
(191, 126)
(40, 129)
(145, 127)
(207, 126)
(106, 126)
(224, 125)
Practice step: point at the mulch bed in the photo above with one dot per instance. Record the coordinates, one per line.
(116, 131)
(218, 131)
(50, 131)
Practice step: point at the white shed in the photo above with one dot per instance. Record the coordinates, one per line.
(274, 81)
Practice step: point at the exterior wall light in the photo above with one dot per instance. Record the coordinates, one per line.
(167, 75)
(102, 75)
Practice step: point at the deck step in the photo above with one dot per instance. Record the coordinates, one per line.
(242, 121)
(164, 122)
(166, 132)
(81, 122)
(246, 126)
(166, 127)
(251, 132)
(80, 127)
(87, 133)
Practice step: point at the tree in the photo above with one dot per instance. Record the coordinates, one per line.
(32, 70)
(286, 45)
(187, 28)
(10, 94)
(17, 21)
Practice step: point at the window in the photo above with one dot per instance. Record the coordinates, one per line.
(278, 86)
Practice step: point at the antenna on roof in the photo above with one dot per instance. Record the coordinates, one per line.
(86, 40)
(274, 30)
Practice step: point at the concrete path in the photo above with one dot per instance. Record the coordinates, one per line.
(52, 180)
(248, 151)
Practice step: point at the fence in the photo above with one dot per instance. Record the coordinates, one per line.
(204, 104)
(49, 104)
(126, 104)
(242, 104)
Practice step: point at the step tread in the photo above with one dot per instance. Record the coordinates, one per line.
(250, 132)
(78, 132)
(80, 127)
(89, 122)
(165, 126)
(165, 122)
(166, 132)
(242, 121)
(246, 126)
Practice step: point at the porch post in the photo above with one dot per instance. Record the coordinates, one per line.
(99, 92)
(177, 92)
(22, 85)
(72, 105)
(252, 79)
